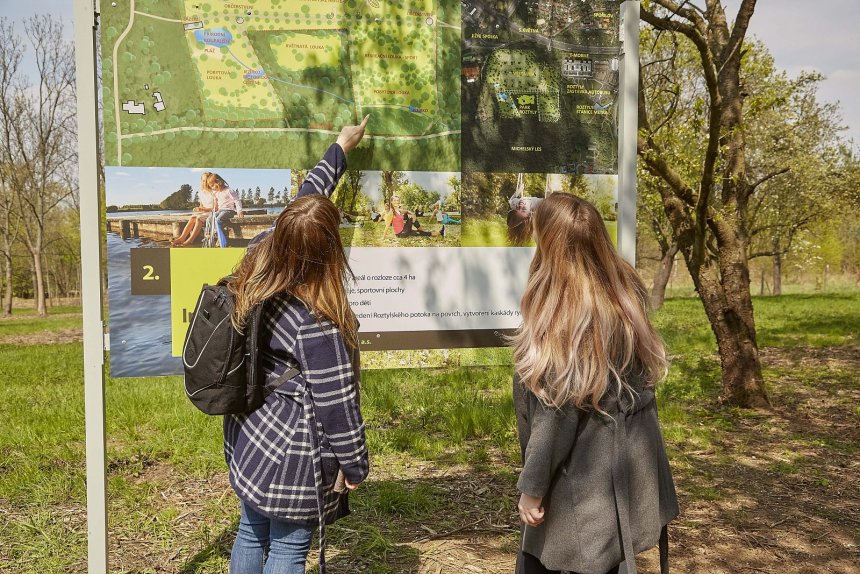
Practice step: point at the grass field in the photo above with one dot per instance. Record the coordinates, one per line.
(760, 491)
(369, 234)
(493, 232)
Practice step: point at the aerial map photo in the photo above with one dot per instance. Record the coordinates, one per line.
(539, 85)
(218, 83)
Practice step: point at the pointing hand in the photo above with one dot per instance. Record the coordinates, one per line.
(350, 136)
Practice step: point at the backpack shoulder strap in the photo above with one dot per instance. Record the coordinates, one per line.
(283, 378)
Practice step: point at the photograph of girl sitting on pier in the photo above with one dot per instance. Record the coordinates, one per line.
(498, 206)
(399, 208)
(182, 207)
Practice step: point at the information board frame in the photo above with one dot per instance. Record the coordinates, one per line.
(86, 15)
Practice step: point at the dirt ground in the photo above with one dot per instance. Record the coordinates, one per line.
(778, 491)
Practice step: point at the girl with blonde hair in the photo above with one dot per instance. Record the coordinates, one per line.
(595, 485)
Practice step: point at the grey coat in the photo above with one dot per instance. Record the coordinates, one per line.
(598, 478)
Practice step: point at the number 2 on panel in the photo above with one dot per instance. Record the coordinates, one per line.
(149, 273)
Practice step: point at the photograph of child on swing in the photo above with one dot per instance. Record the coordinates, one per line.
(497, 207)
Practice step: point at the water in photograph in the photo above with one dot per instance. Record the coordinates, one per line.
(139, 324)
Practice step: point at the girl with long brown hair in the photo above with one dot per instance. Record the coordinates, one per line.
(293, 460)
(595, 486)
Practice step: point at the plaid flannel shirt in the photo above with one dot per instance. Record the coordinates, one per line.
(269, 451)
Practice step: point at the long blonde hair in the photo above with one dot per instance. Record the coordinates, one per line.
(304, 257)
(209, 181)
(585, 326)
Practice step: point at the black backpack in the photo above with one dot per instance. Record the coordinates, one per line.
(220, 363)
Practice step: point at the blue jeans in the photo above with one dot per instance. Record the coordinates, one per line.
(223, 216)
(267, 546)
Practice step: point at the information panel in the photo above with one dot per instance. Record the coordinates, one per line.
(474, 106)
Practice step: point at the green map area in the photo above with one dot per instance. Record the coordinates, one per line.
(540, 84)
(270, 83)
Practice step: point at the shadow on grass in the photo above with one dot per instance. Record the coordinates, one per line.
(395, 520)
(772, 488)
(218, 549)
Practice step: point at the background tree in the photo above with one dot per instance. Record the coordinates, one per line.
(452, 200)
(348, 191)
(297, 178)
(652, 222)
(707, 202)
(37, 133)
(179, 199)
(413, 196)
(10, 223)
(789, 129)
(484, 195)
(258, 199)
(271, 197)
(391, 182)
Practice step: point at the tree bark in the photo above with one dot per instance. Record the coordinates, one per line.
(730, 315)
(355, 191)
(658, 290)
(39, 283)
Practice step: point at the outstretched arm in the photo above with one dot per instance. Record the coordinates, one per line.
(518, 192)
(324, 176)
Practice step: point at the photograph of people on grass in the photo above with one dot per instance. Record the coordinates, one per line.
(399, 208)
(498, 206)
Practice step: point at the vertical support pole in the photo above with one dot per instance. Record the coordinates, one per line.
(91, 288)
(628, 128)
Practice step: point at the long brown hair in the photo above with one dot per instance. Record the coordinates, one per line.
(519, 227)
(585, 325)
(304, 257)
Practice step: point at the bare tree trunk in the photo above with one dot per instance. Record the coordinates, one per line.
(354, 198)
(667, 263)
(7, 293)
(39, 284)
(777, 272)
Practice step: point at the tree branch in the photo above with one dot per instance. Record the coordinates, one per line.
(768, 177)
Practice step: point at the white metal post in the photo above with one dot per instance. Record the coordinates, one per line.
(628, 128)
(91, 287)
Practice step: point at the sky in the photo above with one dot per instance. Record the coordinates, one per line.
(147, 185)
(818, 35)
(801, 34)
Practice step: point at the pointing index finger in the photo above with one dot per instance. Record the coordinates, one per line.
(364, 121)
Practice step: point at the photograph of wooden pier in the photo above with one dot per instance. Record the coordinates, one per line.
(194, 207)
(155, 227)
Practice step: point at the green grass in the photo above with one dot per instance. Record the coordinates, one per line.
(369, 234)
(30, 323)
(493, 232)
(442, 419)
(31, 311)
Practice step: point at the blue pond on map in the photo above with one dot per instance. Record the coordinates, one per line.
(214, 37)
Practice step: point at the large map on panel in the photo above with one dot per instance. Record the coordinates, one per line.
(476, 108)
(190, 82)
